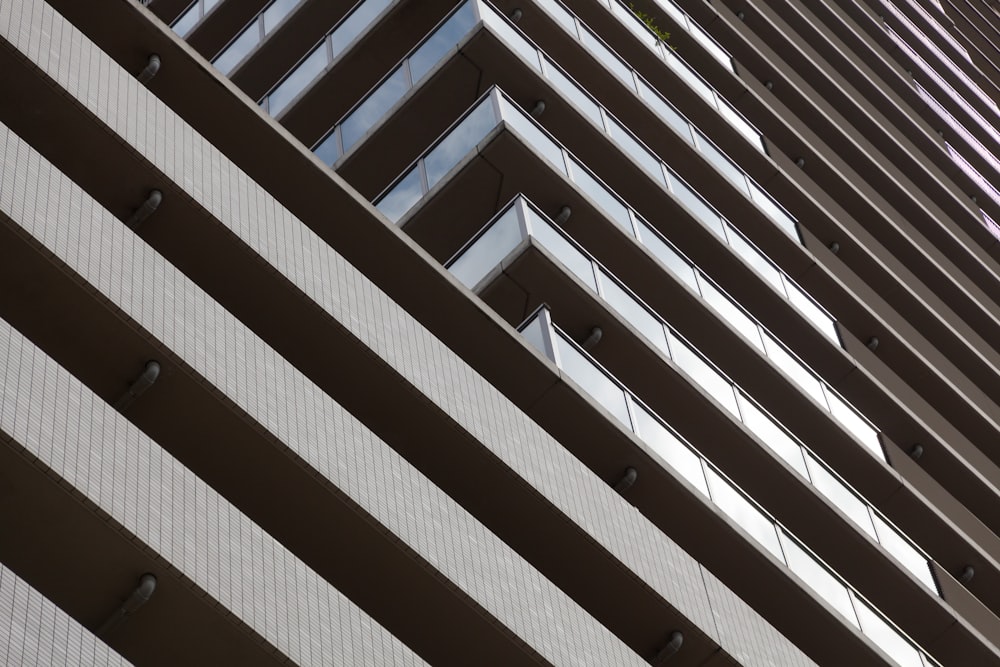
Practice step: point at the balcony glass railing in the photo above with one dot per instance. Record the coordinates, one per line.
(372, 109)
(368, 112)
(718, 489)
(348, 30)
(521, 220)
(329, 149)
(960, 102)
(940, 30)
(456, 144)
(192, 16)
(262, 25)
(948, 63)
(625, 73)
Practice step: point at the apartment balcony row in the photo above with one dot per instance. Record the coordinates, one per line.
(222, 388)
(320, 112)
(956, 567)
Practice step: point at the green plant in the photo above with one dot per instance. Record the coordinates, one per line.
(650, 22)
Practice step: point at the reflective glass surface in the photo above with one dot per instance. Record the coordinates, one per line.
(633, 312)
(487, 250)
(819, 578)
(295, 83)
(276, 12)
(491, 246)
(586, 374)
(388, 92)
(404, 194)
(442, 41)
(723, 304)
(601, 196)
(358, 21)
(668, 447)
(744, 514)
(461, 139)
(183, 25)
(703, 374)
(886, 637)
(732, 501)
(238, 49)
(444, 154)
(772, 435)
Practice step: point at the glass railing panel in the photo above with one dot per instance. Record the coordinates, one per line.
(633, 312)
(356, 24)
(669, 258)
(795, 370)
(706, 377)
(262, 25)
(406, 192)
(444, 154)
(772, 435)
(649, 162)
(560, 14)
(710, 45)
(725, 166)
(304, 73)
(188, 20)
(441, 41)
(853, 422)
(744, 514)
(601, 196)
(535, 136)
(819, 578)
(486, 251)
(514, 38)
(668, 447)
(736, 318)
(628, 18)
(684, 459)
(690, 77)
(698, 207)
(846, 500)
(904, 551)
(374, 107)
(360, 19)
(737, 120)
(607, 394)
(538, 334)
(667, 113)
(605, 55)
(238, 49)
(702, 37)
(812, 311)
(572, 91)
(459, 141)
(750, 254)
(276, 12)
(574, 260)
(886, 637)
(776, 213)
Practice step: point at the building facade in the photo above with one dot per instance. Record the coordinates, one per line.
(498, 332)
